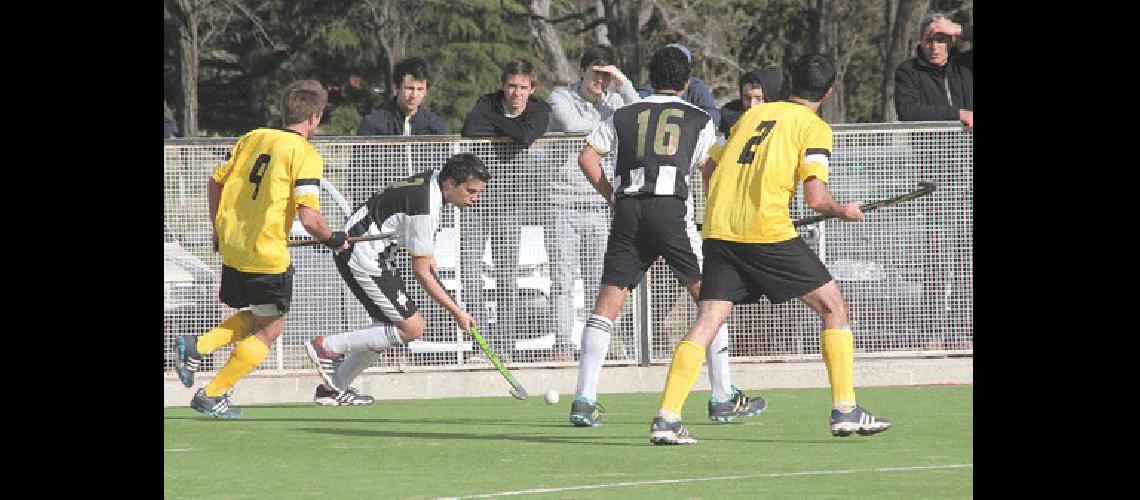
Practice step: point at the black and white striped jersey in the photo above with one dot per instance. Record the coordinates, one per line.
(406, 213)
(659, 142)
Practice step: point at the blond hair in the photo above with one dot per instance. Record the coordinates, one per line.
(302, 99)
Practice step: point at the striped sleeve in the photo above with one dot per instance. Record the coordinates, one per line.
(817, 154)
(307, 187)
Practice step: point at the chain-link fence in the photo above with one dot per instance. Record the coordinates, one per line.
(527, 258)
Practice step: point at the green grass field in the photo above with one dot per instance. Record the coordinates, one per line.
(486, 446)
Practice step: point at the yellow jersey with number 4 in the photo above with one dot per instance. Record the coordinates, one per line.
(773, 147)
(268, 174)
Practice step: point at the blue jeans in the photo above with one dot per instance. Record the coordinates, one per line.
(576, 243)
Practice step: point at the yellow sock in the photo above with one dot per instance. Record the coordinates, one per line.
(248, 353)
(683, 371)
(234, 328)
(838, 350)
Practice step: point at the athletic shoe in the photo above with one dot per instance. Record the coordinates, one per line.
(665, 432)
(219, 407)
(858, 420)
(586, 413)
(188, 359)
(326, 360)
(739, 405)
(327, 396)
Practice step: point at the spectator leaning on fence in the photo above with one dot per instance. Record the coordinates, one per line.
(757, 86)
(271, 176)
(697, 93)
(514, 112)
(938, 83)
(576, 235)
(404, 113)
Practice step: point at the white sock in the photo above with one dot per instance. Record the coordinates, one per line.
(355, 362)
(717, 359)
(378, 337)
(595, 344)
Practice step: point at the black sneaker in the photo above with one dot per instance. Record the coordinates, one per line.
(327, 396)
(859, 421)
(585, 413)
(326, 360)
(665, 432)
(739, 405)
(219, 407)
(188, 359)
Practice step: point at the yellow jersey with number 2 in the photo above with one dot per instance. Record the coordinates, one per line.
(268, 174)
(773, 147)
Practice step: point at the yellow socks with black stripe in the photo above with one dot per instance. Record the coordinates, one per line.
(234, 328)
(683, 371)
(838, 349)
(248, 353)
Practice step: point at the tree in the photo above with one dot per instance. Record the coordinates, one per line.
(901, 18)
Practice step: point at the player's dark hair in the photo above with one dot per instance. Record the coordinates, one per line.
(463, 166)
(812, 76)
(518, 66)
(598, 55)
(669, 69)
(302, 99)
(417, 67)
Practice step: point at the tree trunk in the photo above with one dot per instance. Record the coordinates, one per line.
(188, 66)
(561, 71)
(903, 31)
(600, 31)
(826, 42)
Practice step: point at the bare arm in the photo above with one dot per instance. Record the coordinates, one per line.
(424, 270)
(706, 174)
(315, 224)
(214, 196)
(821, 201)
(591, 164)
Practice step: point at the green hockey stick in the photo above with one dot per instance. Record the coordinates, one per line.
(516, 388)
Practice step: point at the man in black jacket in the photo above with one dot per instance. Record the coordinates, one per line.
(757, 86)
(511, 111)
(935, 84)
(404, 113)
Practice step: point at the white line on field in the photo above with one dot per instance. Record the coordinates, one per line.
(720, 478)
(183, 449)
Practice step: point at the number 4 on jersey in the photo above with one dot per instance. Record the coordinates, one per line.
(749, 151)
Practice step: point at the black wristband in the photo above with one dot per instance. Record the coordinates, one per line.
(336, 240)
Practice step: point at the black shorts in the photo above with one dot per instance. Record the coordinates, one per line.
(258, 291)
(645, 228)
(382, 296)
(742, 272)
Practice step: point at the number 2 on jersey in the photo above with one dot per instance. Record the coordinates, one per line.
(749, 151)
(258, 172)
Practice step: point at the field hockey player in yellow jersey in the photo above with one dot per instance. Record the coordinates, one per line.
(270, 177)
(751, 248)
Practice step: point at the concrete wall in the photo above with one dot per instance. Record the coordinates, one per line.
(298, 387)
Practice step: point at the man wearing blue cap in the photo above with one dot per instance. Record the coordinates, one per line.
(698, 92)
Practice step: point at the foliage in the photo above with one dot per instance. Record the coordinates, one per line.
(250, 49)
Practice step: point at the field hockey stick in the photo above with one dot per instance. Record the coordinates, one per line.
(350, 239)
(924, 188)
(516, 388)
